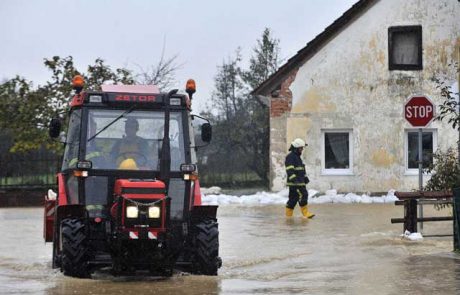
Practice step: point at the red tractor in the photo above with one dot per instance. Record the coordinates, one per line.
(128, 191)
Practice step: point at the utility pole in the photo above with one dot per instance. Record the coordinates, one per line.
(458, 100)
(456, 190)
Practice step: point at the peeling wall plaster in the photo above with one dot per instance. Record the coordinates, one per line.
(347, 84)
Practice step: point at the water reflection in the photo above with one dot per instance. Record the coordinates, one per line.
(178, 284)
(430, 274)
(345, 249)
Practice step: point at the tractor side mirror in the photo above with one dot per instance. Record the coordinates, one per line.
(55, 128)
(202, 130)
(206, 132)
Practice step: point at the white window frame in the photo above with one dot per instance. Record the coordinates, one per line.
(347, 171)
(413, 171)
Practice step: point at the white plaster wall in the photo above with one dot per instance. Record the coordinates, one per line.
(347, 85)
(277, 152)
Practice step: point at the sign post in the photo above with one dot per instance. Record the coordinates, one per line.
(419, 111)
(420, 160)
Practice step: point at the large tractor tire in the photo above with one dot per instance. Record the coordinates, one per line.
(56, 263)
(74, 257)
(206, 248)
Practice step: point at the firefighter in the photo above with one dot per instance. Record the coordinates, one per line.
(130, 146)
(297, 179)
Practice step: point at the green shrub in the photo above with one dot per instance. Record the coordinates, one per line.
(445, 171)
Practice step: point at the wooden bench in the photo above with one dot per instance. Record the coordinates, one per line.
(410, 200)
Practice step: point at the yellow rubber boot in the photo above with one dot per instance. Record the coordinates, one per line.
(289, 212)
(306, 213)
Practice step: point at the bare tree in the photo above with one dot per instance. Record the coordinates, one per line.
(228, 93)
(241, 126)
(162, 74)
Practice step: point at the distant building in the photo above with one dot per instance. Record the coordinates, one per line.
(344, 94)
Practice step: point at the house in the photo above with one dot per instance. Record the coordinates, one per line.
(345, 91)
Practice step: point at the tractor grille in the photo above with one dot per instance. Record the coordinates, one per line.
(142, 190)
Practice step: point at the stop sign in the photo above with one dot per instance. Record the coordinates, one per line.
(419, 110)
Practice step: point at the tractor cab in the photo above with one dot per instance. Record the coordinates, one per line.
(120, 136)
(129, 177)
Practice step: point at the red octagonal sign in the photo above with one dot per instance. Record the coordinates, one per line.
(419, 110)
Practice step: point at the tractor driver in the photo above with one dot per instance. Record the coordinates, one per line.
(131, 151)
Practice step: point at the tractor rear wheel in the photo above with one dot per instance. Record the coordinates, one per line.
(74, 255)
(206, 248)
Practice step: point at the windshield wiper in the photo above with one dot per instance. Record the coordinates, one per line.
(111, 123)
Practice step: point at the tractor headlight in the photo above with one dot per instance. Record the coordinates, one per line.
(154, 212)
(132, 212)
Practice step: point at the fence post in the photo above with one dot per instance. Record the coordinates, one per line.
(410, 215)
(456, 199)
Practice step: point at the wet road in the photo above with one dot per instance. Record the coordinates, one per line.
(346, 249)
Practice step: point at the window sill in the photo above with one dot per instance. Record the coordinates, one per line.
(405, 68)
(337, 173)
(414, 173)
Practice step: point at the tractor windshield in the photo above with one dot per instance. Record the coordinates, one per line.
(134, 141)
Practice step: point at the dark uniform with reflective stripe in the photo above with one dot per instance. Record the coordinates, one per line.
(296, 179)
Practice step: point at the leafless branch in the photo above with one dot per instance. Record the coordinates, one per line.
(161, 74)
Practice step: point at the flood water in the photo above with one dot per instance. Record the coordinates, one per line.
(345, 249)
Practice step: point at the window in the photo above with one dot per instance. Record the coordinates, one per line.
(337, 152)
(428, 148)
(405, 48)
(73, 141)
(142, 144)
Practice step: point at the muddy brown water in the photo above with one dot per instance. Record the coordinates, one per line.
(346, 249)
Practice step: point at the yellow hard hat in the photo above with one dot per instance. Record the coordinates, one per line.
(128, 164)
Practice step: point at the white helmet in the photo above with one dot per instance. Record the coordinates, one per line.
(298, 143)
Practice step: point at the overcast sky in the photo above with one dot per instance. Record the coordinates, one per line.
(129, 33)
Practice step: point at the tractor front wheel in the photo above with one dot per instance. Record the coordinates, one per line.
(206, 248)
(74, 257)
(56, 263)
